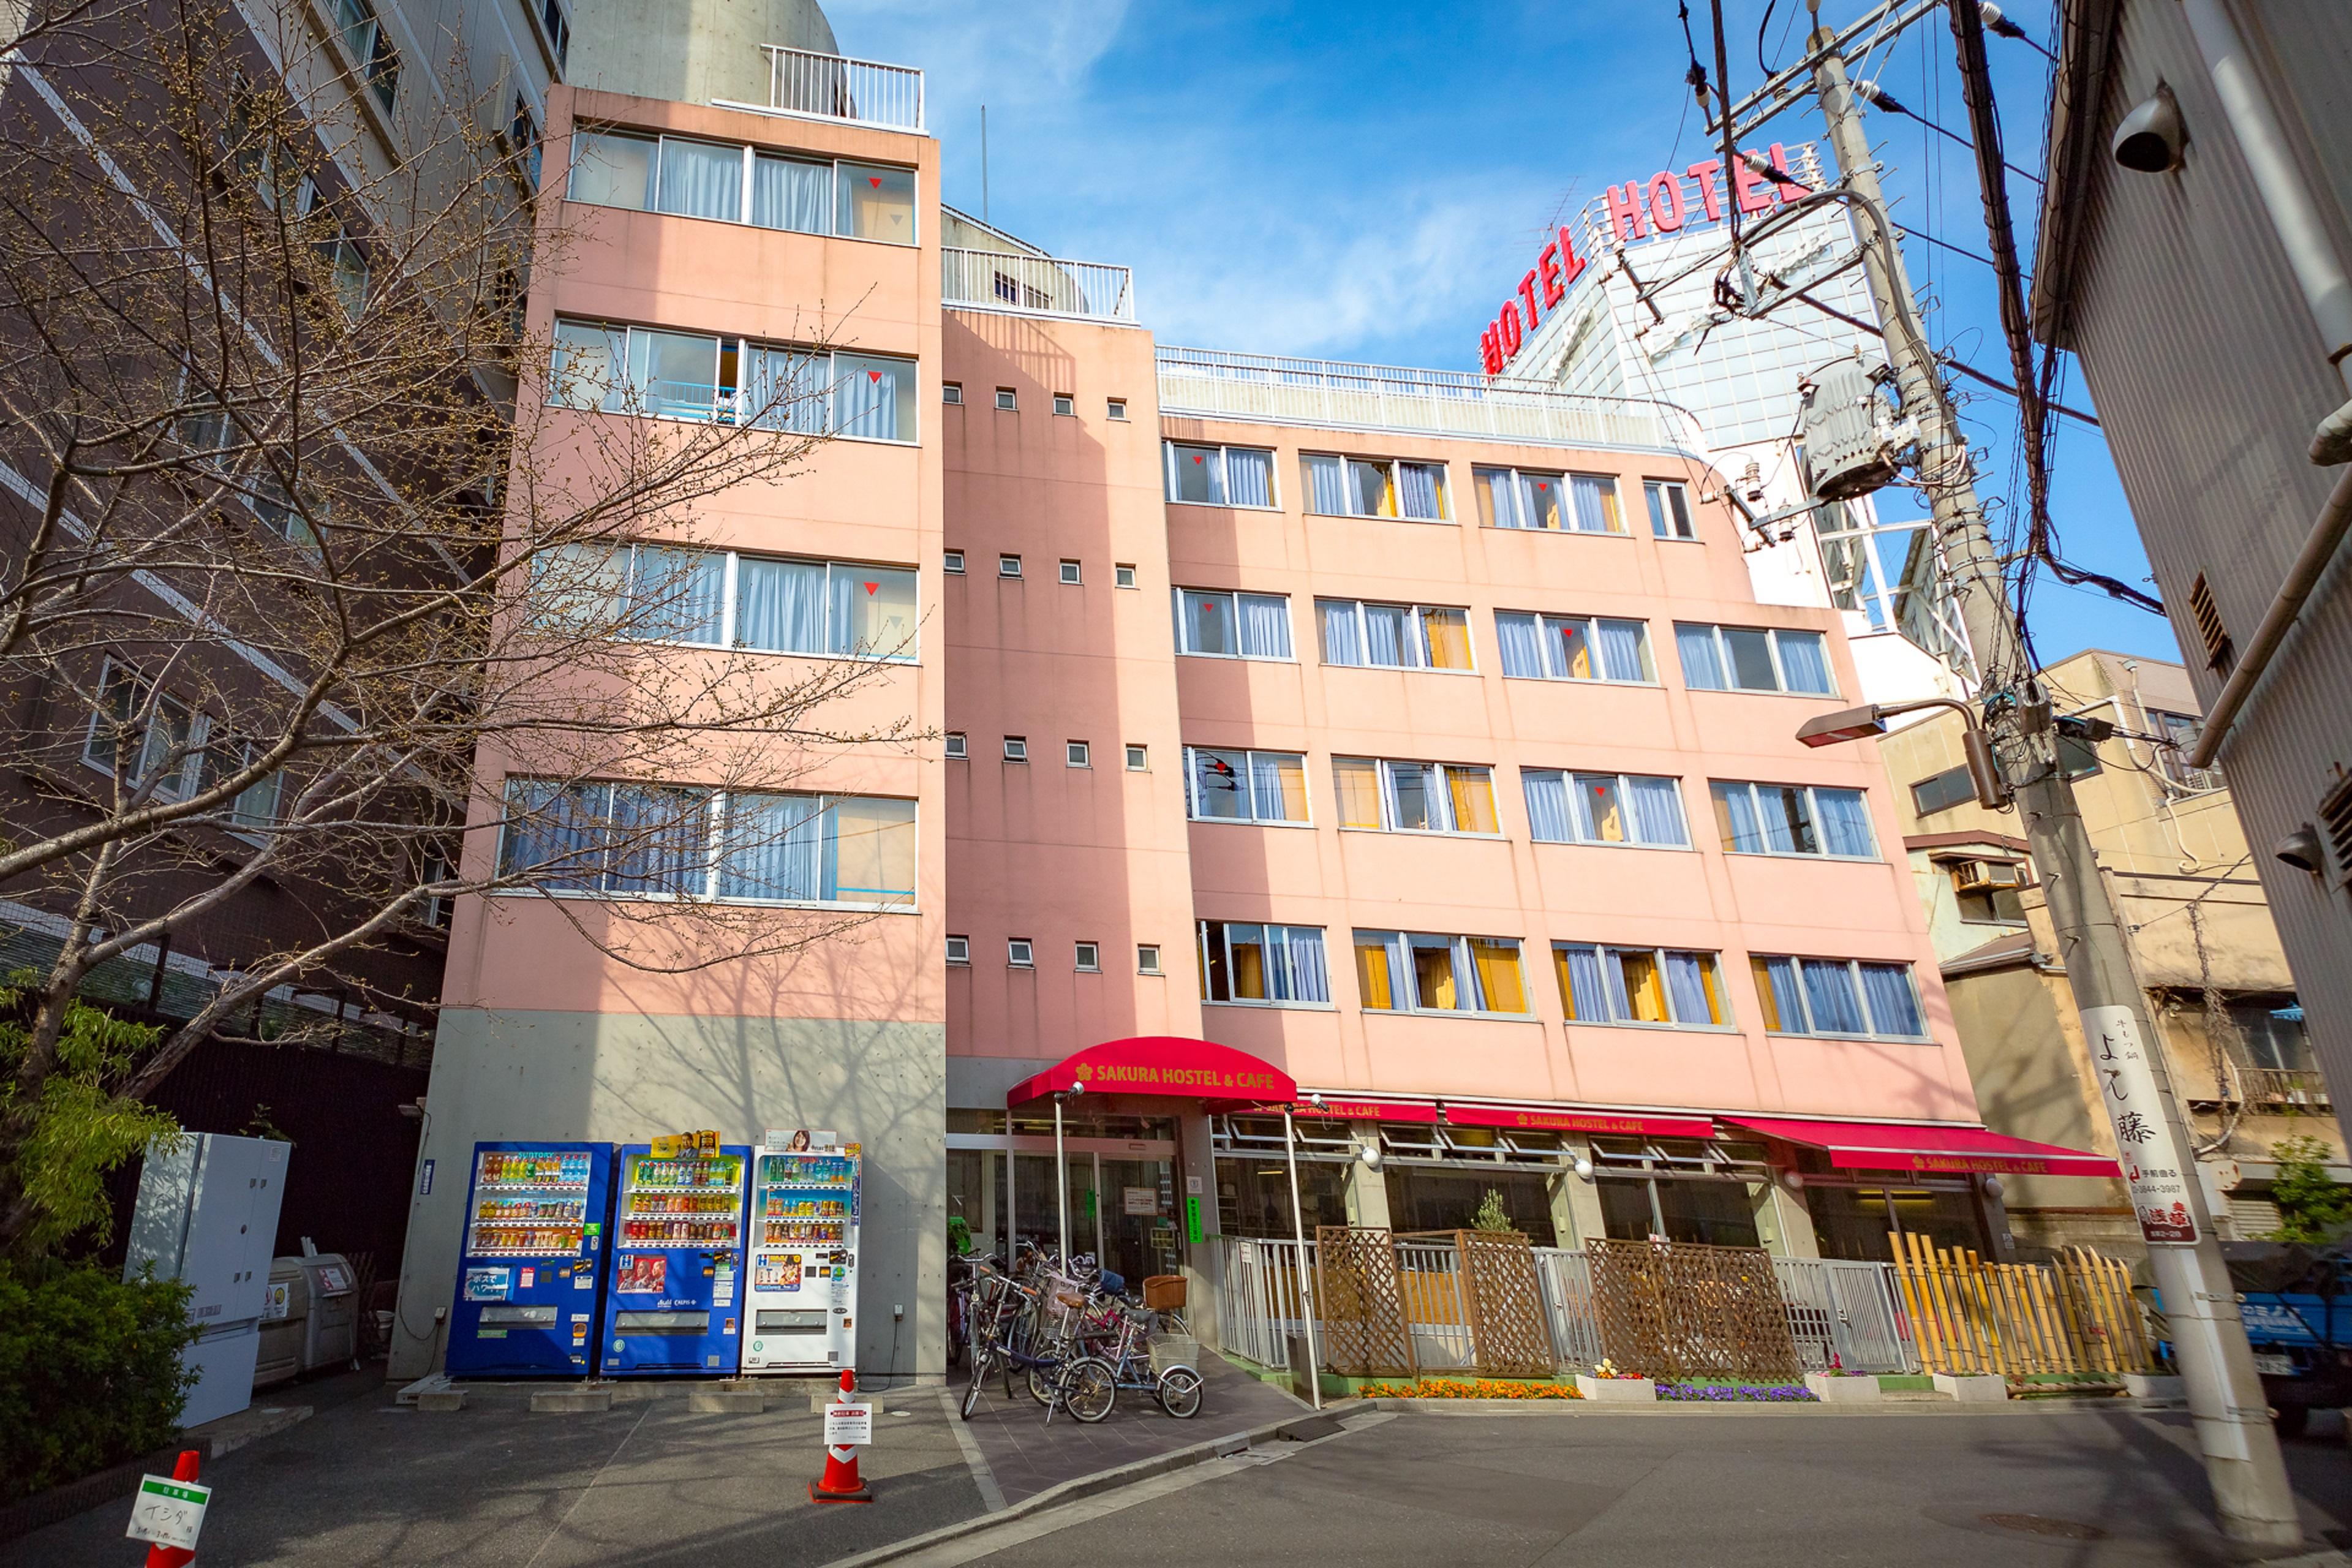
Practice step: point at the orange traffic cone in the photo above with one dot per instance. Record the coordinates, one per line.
(840, 1483)
(174, 1556)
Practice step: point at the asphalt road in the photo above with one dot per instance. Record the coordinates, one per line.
(1676, 1488)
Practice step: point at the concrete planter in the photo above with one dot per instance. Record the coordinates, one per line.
(1618, 1390)
(1833, 1390)
(1972, 1390)
(2147, 1385)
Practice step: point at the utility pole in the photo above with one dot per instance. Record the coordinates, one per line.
(2209, 1337)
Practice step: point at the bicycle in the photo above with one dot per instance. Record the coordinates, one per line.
(1095, 1381)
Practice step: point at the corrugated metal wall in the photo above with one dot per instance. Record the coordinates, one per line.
(2208, 377)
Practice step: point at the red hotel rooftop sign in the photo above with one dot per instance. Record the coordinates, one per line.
(1635, 210)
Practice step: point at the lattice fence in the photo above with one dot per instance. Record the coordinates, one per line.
(1506, 1307)
(1679, 1310)
(2020, 1319)
(1364, 1319)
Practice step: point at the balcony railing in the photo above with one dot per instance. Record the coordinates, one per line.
(1039, 285)
(1215, 385)
(834, 86)
(2283, 1086)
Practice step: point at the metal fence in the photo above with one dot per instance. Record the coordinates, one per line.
(834, 86)
(1037, 285)
(1214, 383)
(1836, 1308)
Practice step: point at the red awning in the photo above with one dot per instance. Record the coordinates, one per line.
(1542, 1119)
(1163, 1065)
(1568, 1120)
(1929, 1150)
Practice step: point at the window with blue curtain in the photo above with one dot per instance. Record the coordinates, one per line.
(1310, 976)
(773, 849)
(873, 397)
(1582, 985)
(791, 195)
(1595, 503)
(1783, 998)
(1832, 999)
(1269, 964)
(1339, 623)
(659, 840)
(556, 831)
(1264, 625)
(1326, 484)
(1844, 818)
(677, 596)
(1658, 811)
(1521, 638)
(780, 606)
(1624, 651)
(700, 180)
(1688, 987)
(1736, 818)
(786, 389)
(1549, 820)
(1804, 663)
(1249, 477)
(1389, 635)
(1702, 659)
(612, 169)
(1788, 820)
(1894, 1007)
(1422, 490)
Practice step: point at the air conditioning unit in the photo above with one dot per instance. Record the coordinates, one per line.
(1986, 875)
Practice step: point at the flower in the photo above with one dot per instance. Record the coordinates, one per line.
(1737, 1393)
(1480, 1388)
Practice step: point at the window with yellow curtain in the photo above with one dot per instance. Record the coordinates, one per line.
(1372, 487)
(1358, 780)
(1448, 637)
(1434, 986)
(1473, 794)
(1766, 1000)
(1645, 987)
(1499, 982)
(1372, 980)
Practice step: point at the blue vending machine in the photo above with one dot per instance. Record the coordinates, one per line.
(534, 1253)
(675, 1300)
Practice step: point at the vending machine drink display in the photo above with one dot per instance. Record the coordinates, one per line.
(535, 1249)
(803, 1302)
(674, 1303)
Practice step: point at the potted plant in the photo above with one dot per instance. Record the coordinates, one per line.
(1604, 1382)
(1839, 1386)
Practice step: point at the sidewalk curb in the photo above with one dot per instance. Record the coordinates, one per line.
(1080, 1487)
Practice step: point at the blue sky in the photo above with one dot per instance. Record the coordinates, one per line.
(1368, 181)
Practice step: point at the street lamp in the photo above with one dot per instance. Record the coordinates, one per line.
(1870, 721)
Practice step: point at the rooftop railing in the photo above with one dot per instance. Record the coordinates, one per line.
(834, 86)
(1211, 383)
(1038, 285)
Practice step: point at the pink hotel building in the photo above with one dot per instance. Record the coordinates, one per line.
(1410, 738)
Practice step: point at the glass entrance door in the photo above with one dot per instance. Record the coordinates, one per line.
(1138, 1222)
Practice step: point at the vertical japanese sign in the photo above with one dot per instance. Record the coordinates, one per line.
(2156, 1169)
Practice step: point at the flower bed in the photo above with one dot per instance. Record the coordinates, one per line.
(1478, 1388)
(1738, 1392)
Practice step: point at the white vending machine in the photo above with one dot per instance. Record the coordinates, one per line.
(802, 1304)
(207, 1214)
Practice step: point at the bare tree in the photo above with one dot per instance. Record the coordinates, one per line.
(307, 535)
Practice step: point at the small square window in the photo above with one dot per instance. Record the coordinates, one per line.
(1004, 400)
(1117, 408)
(1139, 759)
(1018, 954)
(1008, 566)
(959, 949)
(1076, 754)
(1090, 957)
(1123, 574)
(1064, 404)
(1070, 572)
(955, 560)
(1147, 958)
(1016, 748)
(956, 747)
(951, 392)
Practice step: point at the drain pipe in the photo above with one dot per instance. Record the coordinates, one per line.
(2335, 521)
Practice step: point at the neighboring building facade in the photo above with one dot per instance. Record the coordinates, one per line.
(1639, 317)
(1387, 736)
(2202, 941)
(2211, 366)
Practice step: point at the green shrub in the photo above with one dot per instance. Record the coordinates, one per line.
(89, 1370)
